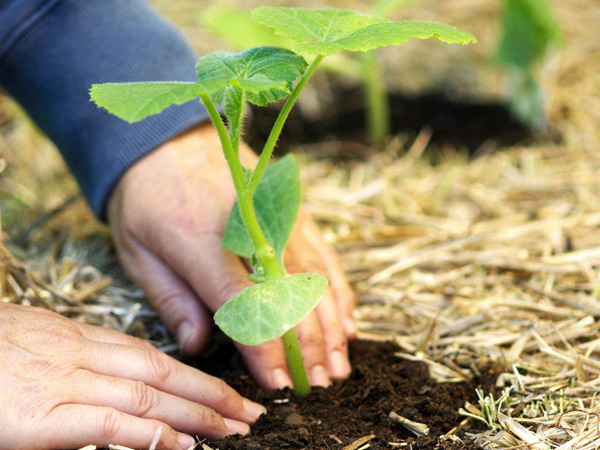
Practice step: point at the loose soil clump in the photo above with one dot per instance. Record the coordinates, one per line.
(337, 417)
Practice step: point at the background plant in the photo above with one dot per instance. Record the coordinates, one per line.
(529, 32)
(268, 198)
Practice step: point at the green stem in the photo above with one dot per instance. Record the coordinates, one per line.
(295, 362)
(237, 172)
(264, 252)
(378, 108)
(237, 122)
(276, 131)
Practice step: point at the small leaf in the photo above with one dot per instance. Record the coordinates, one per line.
(328, 31)
(266, 311)
(136, 101)
(266, 73)
(276, 202)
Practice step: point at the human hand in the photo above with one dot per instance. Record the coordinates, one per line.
(64, 384)
(168, 213)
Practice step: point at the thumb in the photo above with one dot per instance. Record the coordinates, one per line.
(217, 279)
(176, 304)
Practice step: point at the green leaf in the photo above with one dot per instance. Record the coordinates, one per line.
(528, 29)
(239, 29)
(276, 202)
(328, 31)
(312, 25)
(265, 73)
(136, 101)
(266, 311)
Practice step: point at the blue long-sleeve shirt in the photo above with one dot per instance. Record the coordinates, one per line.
(52, 51)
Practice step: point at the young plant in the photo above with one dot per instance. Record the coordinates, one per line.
(239, 29)
(268, 198)
(528, 32)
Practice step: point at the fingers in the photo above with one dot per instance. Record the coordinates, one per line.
(336, 342)
(267, 364)
(138, 399)
(215, 274)
(303, 256)
(109, 336)
(75, 426)
(178, 307)
(342, 292)
(312, 344)
(168, 375)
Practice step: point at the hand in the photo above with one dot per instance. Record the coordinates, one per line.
(64, 384)
(168, 214)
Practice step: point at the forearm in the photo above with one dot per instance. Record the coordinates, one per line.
(52, 51)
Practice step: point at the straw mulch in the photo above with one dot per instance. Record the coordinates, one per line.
(464, 264)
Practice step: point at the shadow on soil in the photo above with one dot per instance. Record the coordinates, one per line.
(479, 127)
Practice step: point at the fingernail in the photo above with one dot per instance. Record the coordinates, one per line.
(319, 376)
(186, 442)
(236, 427)
(350, 327)
(185, 333)
(281, 379)
(339, 365)
(254, 410)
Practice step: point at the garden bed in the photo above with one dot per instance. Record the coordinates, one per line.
(355, 413)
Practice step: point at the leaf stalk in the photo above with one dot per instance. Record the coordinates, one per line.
(279, 123)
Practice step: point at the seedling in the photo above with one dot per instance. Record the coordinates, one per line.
(239, 29)
(268, 198)
(528, 32)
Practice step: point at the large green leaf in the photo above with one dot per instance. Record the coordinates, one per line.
(328, 31)
(276, 202)
(136, 101)
(265, 73)
(267, 310)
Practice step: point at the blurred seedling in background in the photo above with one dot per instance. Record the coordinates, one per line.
(238, 29)
(529, 33)
(268, 198)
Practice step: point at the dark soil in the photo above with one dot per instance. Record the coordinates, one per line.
(478, 126)
(336, 417)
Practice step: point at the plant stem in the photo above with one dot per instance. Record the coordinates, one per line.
(237, 122)
(264, 251)
(296, 362)
(378, 108)
(237, 172)
(276, 131)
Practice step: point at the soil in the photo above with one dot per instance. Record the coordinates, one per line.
(478, 126)
(336, 417)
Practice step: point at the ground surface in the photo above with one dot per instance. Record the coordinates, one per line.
(356, 409)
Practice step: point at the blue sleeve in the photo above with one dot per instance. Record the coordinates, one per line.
(51, 51)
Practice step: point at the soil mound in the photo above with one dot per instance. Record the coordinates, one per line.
(337, 417)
